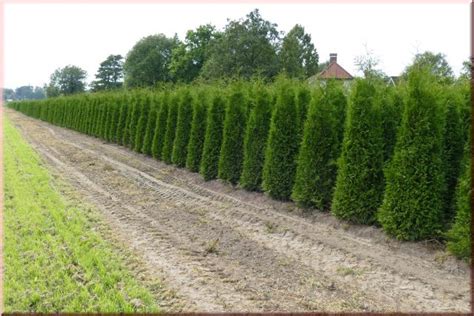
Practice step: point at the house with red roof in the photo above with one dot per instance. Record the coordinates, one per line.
(333, 71)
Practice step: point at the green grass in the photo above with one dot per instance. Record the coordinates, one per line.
(55, 257)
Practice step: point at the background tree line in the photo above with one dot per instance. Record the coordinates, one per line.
(24, 93)
(244, 48)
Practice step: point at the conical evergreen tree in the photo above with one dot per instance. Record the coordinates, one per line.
(391, 106)
(282, 146)
(459, 236)
(198, 131)
(452, 150)
(137, 108)
(360, 182)
(100, 116)
(303, 98)
(337, 97)
(412, 207)
(151, 124)
(128, 118)
(170, 129)
(160, 127)
(142, 121)
(122, 120)
(213, 138)
(317, 168)
(183, 128)
(111, 136)
(230, 160)
(107, 104)
(255, 140)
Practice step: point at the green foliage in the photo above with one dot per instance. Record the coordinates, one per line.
(188, 58)
(213, 138)
(108, 118)
(412, 207)
(170, 129)
(198, 131)
(160, 127)
(335, 93)
(391, 105)
(436, 64)
(459, 236)
(122, 120)
(24, 93)
(102, 109)
(268, 138)
(148, 62)
(145, 101)
(303, 98)
(9, 94)
(245, 49)
(109, 74)
(135, 113)
(463, 88)
(66, 81)
(360, 182)
(231, 156)
(282, 147)
(115, 112)
(255, 140)
(298, 57)
(54, 245)
(151, 125)
(452, 149)
(128, 117)
(316, 167)
(183, 127)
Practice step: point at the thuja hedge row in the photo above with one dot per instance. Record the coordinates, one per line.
(371, 154)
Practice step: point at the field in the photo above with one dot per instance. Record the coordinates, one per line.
(221, 248)
(56, 258)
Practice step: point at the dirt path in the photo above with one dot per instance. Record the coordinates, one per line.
(224, 249)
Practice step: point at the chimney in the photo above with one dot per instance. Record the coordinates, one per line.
(333, 58)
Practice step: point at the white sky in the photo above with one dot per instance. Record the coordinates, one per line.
(41, 38)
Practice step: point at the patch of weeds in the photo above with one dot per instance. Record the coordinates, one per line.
(270, 227)
(107, 167)
(344, 271)
(212, 245)
(441, 257)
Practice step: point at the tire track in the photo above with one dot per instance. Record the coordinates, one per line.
(268, 259)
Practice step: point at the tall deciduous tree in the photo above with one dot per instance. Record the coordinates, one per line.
(188, 58)
(66, 81)
(298, 57)
(246, 48)
(435, 63)
(148, 61)
(29, 93)
(8, 94)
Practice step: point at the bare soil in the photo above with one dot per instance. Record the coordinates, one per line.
(220, 248)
